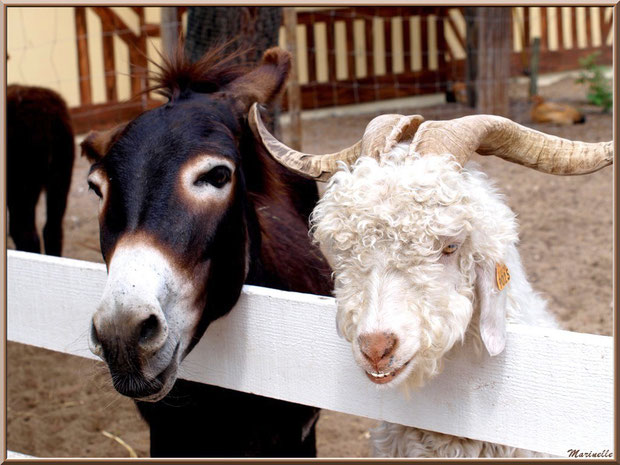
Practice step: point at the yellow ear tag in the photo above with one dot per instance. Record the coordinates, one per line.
(502, 276)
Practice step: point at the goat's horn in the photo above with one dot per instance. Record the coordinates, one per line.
(318, 167)
(385, 131)
(495, 135)
(381, 134)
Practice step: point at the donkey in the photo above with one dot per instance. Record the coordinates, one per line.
(40, 153)
(191, 208)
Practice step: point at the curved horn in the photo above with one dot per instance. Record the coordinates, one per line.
(385, 131)
(495, 135)
(318, 167)
(381, 134)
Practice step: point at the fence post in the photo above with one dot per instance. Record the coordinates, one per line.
(169, 30)
(293, 91)
(471, 54)
(81, 34)
(493, 47)
(534, 58)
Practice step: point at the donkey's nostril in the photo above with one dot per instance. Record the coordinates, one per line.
(117, 334)
(149, 329)
(93, 335)
(94, 343)
(152, 333)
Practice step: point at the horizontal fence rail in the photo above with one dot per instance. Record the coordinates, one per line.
(550, 391)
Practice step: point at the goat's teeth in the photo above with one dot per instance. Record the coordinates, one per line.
(380, 375)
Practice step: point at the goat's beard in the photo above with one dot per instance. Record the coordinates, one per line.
(439, 334)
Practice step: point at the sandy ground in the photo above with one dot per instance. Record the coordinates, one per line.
(61, 406)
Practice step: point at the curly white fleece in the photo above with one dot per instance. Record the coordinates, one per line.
(383, 226)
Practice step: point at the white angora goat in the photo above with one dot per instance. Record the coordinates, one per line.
(423, 249)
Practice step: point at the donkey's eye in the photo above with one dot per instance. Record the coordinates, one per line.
(449, 249)
(95, 188)
(217, 177)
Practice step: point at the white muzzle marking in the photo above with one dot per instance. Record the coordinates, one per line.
(143, 284)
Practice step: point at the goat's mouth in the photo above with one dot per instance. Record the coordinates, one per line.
(385, 377)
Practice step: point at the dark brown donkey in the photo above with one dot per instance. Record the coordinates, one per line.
(192, 208)
(39, 156)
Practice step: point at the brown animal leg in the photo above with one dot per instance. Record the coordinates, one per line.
(22, 224)
(58, 185)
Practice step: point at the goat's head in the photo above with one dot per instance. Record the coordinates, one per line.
(415, 240)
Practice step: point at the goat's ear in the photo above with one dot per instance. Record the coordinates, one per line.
(97, 143)
(264, 83)
(492, 304)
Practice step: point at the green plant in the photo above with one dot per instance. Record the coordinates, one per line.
(599, 88)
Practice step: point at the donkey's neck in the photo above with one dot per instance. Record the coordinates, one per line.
(287, 259)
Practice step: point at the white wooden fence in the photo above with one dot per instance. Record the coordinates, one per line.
(550, 391)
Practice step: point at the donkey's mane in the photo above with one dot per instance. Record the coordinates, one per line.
(215, 69)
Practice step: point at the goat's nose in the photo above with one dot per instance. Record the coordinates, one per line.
(142, 328)
(378, 347)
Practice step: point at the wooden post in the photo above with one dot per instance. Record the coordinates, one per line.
(139, 63)
(406, 43)
(493, 69)
(544, 32)
(169, 30)
(109, 66)
(605, 25)
(388, 46)
(442, 45)
(81, 35)
(471, 54)
(560, 20)
(293, 90)
(351, 73)
(573, 27)
(424, 48)
(369, 45)
(534, 58)
(113, 25)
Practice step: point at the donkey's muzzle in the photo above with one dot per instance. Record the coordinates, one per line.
(128, 337)
(135, 386)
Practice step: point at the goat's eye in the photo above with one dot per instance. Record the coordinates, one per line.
(217, 177)
(451, 248)
(95, 188)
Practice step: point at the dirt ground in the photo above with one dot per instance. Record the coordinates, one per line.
(61, 406)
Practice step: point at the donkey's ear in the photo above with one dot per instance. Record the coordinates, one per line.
(97, 143)
(492, 304)
(265, 82)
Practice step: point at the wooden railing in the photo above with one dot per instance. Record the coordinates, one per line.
(549, 391)
(412, 56)
(430, 74)
(565, 58)
(91, 116)
(438, 62)
(560, 58)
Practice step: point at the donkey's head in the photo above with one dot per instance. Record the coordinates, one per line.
(174, 229)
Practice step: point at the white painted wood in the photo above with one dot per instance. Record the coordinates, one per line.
(17, 455)
(550, 391)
